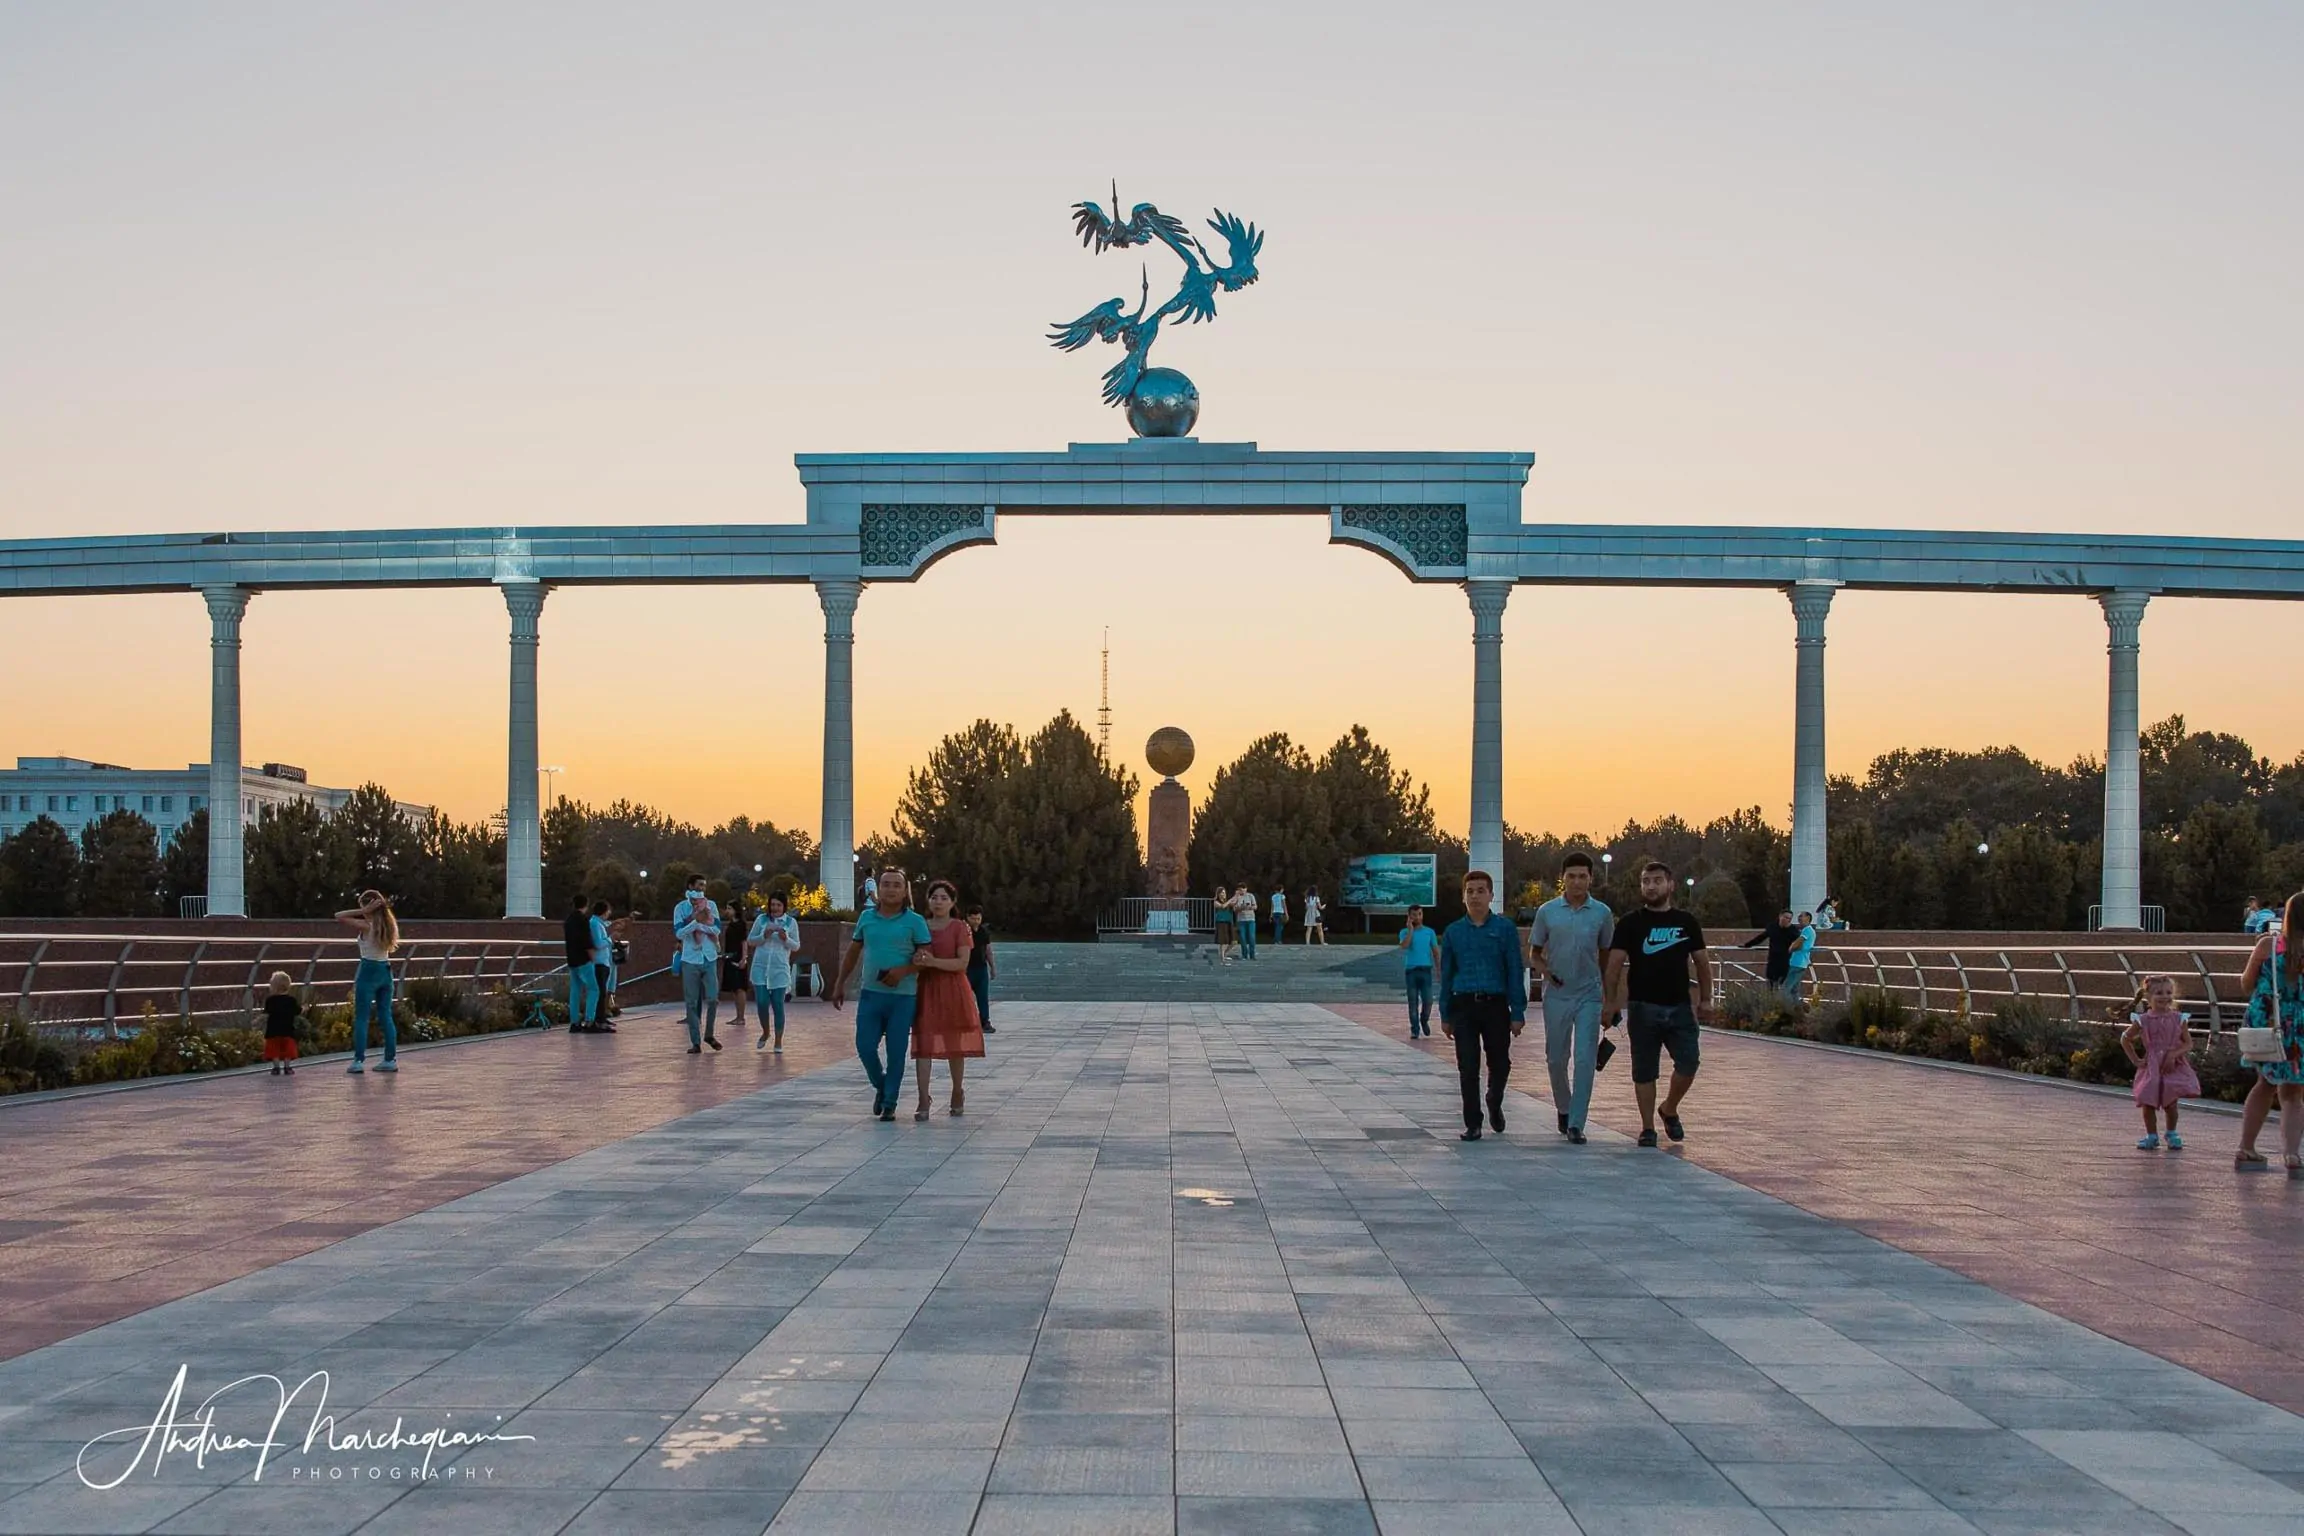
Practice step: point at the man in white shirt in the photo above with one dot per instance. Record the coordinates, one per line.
(1244, 908)
(1279, 915)
(697, 930)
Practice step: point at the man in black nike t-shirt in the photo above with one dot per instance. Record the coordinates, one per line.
(1648, 965)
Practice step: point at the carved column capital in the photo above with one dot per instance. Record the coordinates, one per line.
(226, 606)
(1811, 603)
(525, 599)
(1488, 599)
(839, 595)
(2124, 615)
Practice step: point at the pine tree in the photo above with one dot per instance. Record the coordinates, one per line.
(381, 841)
(39, 870)
(1265, 821)
(184, 867)
(1058, 843)
(119, 867)
(297, 864)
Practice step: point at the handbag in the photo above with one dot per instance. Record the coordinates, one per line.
(2259, 1046)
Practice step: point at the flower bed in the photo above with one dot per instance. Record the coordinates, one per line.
(2020, 1035)
(32, 1060)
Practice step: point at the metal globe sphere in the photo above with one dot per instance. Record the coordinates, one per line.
(1169, 751)
(1163, 404)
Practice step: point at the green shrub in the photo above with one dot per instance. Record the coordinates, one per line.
(427, 997)
(1762, 1009)
(29, 1061)
(1831, 1024)
(2223, 1075)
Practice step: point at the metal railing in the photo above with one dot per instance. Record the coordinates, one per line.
(2150, 919)
(104, 981)
(2088, 983)
(1142, 914)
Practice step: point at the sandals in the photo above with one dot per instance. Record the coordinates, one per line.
(2295, 1165)
(959, 1104)
(2249, 1160)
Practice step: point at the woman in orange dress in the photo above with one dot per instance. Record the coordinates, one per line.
(946, 1027)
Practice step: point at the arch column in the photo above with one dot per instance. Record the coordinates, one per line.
(837, 851)
(1486, 842)
(523, 824)
(1811, 836)
(2122, 901)
(227, 884)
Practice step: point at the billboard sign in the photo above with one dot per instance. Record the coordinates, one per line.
(1391, 882)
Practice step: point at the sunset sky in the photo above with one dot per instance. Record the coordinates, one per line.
(1957, 265)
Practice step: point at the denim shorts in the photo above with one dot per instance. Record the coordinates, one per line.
(1654, 1029)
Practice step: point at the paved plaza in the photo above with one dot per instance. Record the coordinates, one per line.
(1181, 1267)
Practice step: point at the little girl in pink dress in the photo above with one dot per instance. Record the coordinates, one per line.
(2159, 1043)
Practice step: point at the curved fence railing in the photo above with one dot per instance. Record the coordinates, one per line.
(105, 981)
(2085, 982)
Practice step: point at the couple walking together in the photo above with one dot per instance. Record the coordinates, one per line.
(1591, 965)
(915, 995)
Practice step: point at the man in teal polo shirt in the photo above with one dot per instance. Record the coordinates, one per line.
(882, 945)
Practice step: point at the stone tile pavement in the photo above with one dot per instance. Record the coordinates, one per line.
(1180, 1268)
(2035, 1190)
(114, 1202)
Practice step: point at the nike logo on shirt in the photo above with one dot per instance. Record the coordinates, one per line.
(1660, 940)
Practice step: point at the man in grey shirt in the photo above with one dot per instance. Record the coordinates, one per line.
(1567, 948)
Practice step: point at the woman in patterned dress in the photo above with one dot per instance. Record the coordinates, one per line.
(2276, 970)
(947, 1027)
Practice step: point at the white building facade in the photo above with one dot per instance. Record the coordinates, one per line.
(74, 791)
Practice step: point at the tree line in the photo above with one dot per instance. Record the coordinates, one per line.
(1042, 829)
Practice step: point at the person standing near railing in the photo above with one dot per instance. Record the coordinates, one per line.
(379, 935)
(603, 966)
(583, 982)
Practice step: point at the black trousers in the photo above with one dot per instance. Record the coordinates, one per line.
(1483, 1022)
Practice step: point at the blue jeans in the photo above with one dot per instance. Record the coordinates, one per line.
(1419, 1000)
(1572, 1047)
(980, 983)
(884, 1015)
(1279, 928)
(772, 1001)
(1248, 937)
(700, 993)
(372, 992)
(583, 995)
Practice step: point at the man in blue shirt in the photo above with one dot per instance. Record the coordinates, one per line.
(1483, 997)
(882, 946)
(1421, 945)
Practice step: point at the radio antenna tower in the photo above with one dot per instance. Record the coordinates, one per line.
(1104, 702)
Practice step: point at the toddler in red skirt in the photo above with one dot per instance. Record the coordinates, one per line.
(280, 1011)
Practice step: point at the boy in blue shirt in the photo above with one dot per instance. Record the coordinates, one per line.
(1422, 946)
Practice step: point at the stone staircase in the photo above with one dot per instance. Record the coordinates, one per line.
(1185, 970)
